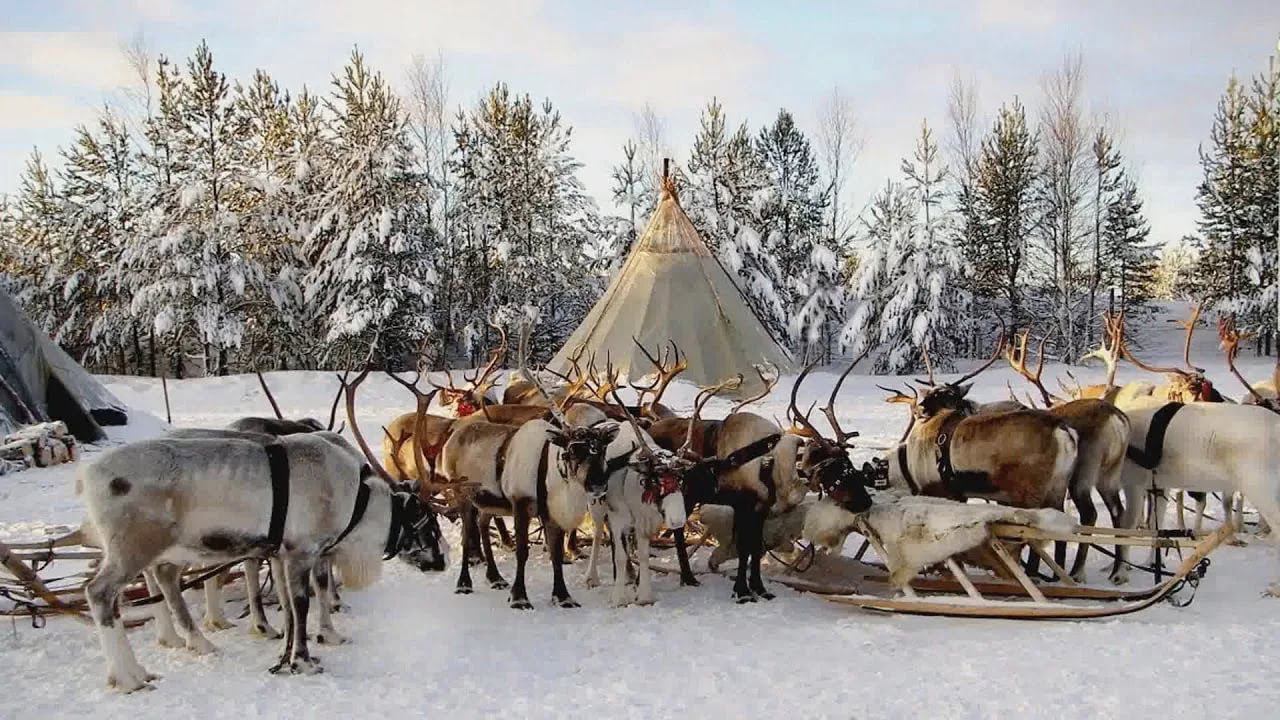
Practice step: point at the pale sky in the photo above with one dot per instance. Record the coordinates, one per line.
(1155, 68)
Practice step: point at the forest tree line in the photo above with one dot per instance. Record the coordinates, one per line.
(219, 226)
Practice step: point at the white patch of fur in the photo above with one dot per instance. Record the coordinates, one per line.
(357, 567)
(918, 531)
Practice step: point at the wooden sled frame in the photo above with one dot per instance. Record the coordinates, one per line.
(1044, 602)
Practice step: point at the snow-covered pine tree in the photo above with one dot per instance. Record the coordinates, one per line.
(266, 201)
(1128, 261)
(38, 239)
(1258, 308)
(102, 208)
(726, 179)
(792, 207)
(889, 242)
(371, 277)
(1224, 200)
(1006, 204)
(629, 187)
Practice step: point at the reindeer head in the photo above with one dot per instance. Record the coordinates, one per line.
(582, 456)
(826, 465)
(1186, 384)
(951, 395)
(420, 542)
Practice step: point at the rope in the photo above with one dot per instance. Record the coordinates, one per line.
(1192, 580)
(187, 585)
(36, 613)
(808, 551)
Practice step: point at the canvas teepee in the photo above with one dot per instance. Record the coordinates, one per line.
(41, 382)
(672, 288)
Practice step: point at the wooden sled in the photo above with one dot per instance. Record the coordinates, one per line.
(1044, 602)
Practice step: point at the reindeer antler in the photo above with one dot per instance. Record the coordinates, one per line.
(995, 354)
(333, 410)
(483, 379)
(665, 371)
(1230, 342)
(912, 401)
(557, 416)
(701, 400)
(1017, 357)
(803, 418)
(842, 437)
(768, 383)
(1191, 371)
(270, 398)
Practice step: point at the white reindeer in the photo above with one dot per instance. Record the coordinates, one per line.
(165, 503)
(636, 499)
(1211, 447)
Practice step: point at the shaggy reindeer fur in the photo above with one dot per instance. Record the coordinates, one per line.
(918, 532)
(171, 502)
(623, 502)
(823, 523)
(276, 426)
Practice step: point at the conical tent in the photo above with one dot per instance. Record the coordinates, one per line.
(40, 382)
(671, 288)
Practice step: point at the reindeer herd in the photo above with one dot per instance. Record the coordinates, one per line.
(552, 450)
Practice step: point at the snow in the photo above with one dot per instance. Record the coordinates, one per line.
(419, 648)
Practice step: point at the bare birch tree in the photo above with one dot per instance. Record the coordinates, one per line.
(838, 147)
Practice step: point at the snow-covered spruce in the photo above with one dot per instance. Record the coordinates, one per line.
(165, 503)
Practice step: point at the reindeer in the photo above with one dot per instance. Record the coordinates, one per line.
(749, 466)
(1102, 430)
(479, 393)
(1023, 458)
(1185, 384)
(641, 492)
(165, 503)
(539, 468)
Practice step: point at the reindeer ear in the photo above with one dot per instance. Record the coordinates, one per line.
(609, 433)
(964, 389)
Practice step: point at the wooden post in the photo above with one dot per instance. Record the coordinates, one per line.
(28, 577)
(1011, 563)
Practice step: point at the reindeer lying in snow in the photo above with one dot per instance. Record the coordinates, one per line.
(165, 503)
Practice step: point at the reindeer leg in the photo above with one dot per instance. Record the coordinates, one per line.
(682, 553)
(491, 573)
(1082, 498)
(555, 536)
(757, 554)
(298, 568)
(644, 585)
(503, 536)
(258, 624)
(597, 537)
(214, 617)
(103, 595)
(166, 635)
(468, 535)
(323, 578)
(476, 536)
(167, 577)
(1111, 498)
(519, 596)
(743, 519)
(572, 551)
(286, 607)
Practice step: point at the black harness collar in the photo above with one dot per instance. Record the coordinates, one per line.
(544, 459)
(357, 513)
(906, 470)
(1150, 456)
(278, 462)
(395, 529)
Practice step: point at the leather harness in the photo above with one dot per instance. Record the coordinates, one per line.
(278, 462)
(1149, 457)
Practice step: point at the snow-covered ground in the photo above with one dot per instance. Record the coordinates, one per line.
(420, 650)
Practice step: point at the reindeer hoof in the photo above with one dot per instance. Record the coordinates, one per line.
(645, 599)
(170, 641)
(217, 624)
(1120, 578)
(765, 595)
(131, 680)
(265, 631)
(565, 602)
(499, 584)
(306, 666)
(200, 645)
(743, 598)
(330, 637)
(591, 582)
(1273, 591)
(689, 581)
(463, 590)
(521, 604)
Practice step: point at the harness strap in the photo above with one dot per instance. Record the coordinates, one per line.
(906, 470)
(357, 513)
(543, 460)
(278, 462)
(394, 529)
(749, 452)
(1150, 456)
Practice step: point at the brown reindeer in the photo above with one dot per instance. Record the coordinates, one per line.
(1103, 434)
(1185, 384)
(755, 475)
